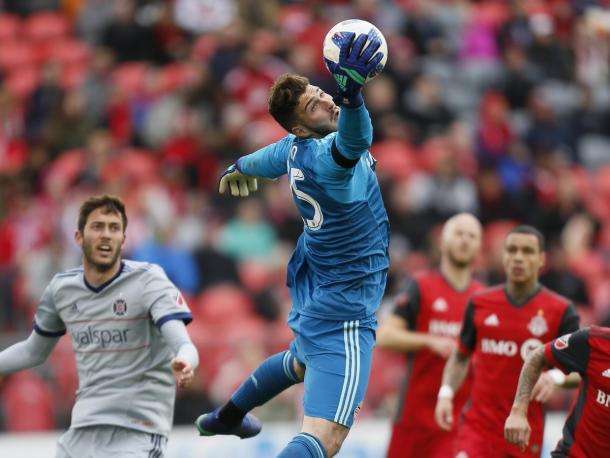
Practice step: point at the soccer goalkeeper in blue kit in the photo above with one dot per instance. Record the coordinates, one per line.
(337, 273)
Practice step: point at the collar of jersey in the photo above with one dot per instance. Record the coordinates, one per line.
(521, 303)
(103, 285)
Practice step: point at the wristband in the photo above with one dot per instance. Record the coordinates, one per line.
(558, 377)
(446, 392)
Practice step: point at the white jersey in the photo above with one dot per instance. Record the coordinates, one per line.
(123, 362)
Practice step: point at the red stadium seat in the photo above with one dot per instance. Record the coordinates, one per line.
(134, 165)
(218, 343)
(433, 152)
(176, 75)
(46, 25)
(395, 159)
(9, 26)
(255, 276)
(66, 51)
(22, 82)
(130, 76)
(495, 233)
(280, 336)
(28, 403)
(223, 305)
(65, 169)
(73, 76)
(15, 55)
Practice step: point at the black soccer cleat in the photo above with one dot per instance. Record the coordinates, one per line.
(209, 424)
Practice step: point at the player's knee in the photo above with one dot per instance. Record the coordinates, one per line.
(333, 441)
(333, 444)
(331, 435)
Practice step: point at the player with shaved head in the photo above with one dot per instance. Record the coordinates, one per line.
(425, 324)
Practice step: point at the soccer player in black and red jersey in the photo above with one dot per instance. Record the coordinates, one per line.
(502, 325)
(426, 322)
(586, 430)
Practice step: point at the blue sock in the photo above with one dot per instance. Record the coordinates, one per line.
(303, 446)
(269, 379)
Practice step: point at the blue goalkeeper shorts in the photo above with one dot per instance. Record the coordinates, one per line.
(337, 356)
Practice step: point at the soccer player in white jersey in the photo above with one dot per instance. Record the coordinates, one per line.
(127, 322)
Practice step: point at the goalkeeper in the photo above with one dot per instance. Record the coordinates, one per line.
(337, 273)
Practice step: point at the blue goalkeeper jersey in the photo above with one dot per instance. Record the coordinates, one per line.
(339, 266)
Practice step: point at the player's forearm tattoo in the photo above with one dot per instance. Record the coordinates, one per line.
(530, 372)
(456, 370)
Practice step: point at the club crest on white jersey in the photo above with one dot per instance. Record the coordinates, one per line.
(119, 307)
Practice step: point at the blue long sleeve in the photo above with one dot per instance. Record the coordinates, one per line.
(268, 162)
(355, 132)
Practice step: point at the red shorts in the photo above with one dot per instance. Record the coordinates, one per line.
(420, 442)
(472, 443)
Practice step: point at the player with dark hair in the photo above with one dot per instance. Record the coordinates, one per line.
(585, 433)
(502, 325)
(337, 273)
(126, 320)
(425, 323)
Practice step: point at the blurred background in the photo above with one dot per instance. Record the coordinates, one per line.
(499, 108)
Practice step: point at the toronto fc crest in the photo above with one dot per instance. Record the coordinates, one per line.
(119, 308)
(538, 325)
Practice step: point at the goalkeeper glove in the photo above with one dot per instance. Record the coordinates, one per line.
(240, 185)
(355, 65)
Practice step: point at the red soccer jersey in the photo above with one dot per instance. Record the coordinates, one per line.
(430, 305)
(499, 334)
(587, 428)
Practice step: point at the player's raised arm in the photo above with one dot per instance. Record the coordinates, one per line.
(26, 354)
(241, 178)
(358, 58)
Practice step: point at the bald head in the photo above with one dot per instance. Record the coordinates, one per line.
(461, 239)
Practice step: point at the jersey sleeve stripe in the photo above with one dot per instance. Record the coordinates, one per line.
(44, 333)
(185, 317)
(464, 349)
(340, 159)
(548, 353)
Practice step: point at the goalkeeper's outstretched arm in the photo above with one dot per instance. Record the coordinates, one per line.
(26, 354)
(241, 178)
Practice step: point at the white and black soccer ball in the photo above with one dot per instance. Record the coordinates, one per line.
(332, 42)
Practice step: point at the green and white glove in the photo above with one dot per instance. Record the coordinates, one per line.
(237, 183)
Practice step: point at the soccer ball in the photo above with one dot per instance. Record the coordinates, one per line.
(358, 26)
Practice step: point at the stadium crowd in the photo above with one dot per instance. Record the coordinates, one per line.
(496, 108)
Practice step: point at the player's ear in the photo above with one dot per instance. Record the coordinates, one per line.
(78, 238)
(542, 259)
(301, 131)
